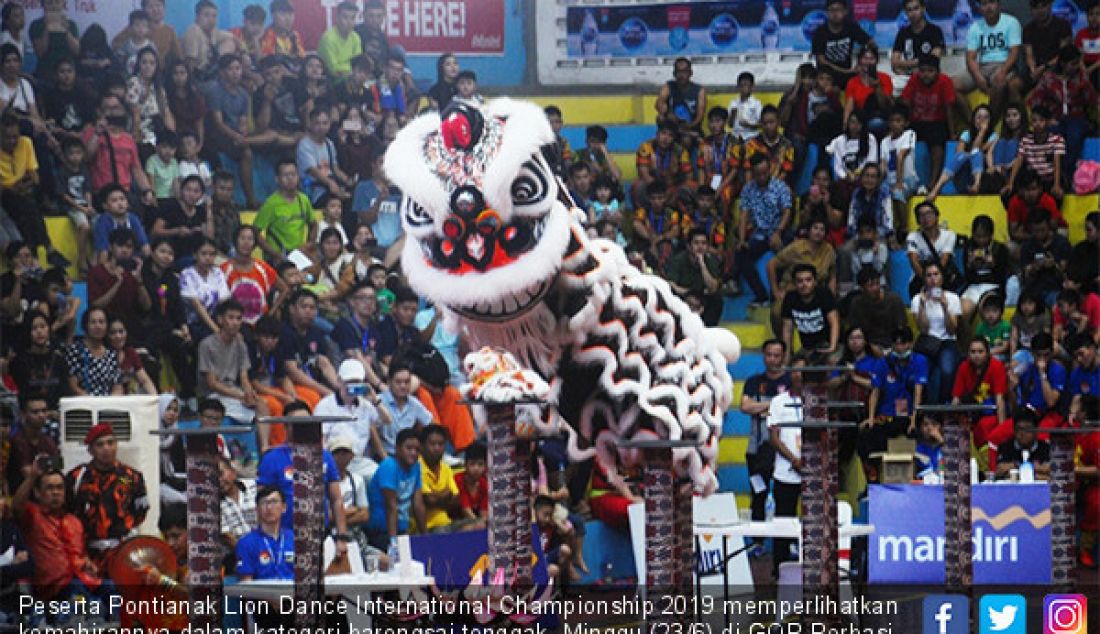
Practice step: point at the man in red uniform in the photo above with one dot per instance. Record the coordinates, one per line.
(109, 497)
(1088, 474)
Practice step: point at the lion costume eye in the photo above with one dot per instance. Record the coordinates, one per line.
(530, 186)
(415, 215)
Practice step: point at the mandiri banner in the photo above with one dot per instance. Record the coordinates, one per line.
(752, 26)
(1011, 531)
(422, 27)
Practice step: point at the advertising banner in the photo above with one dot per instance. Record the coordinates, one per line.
(1011, 530)
(751, 26)
(422, 27)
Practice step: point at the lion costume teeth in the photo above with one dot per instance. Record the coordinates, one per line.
(493, 241)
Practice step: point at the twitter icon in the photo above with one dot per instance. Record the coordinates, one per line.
(1003, 614)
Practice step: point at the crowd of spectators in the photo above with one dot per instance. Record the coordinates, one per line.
(149, 144)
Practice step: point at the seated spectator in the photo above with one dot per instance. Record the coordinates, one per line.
(1081, 271)
(340, 43)
(823, 200)
(39, 366)
(1025, 446)
(866, 250)
(443, 401)
(396, 492)
(203, 42)
(1084, 380)
(317, 161)
(225, 212)
(67, 104)
(356, 399)
(135, 39)
(405, 410)
(302, 349)
(13, 21)
(992, 326)
(856, 381)
(268, 379)
(163, 329)
(811, 310)
(188, 108)
(163, 168)
(929, 452)
(1076, 313)
(61, 306)
(73, 186)
(813, 250)
(247, 36)
(656, 225)
(968, 165)
(185, 219)
(850, 153)
(765, 222)
(18, 565)
(20, 288)
(355, 148)
(356, 335)
(280, 38)
(238, 503)
(1042, 152)
(1043, 257)
(146, 98)
(720, 158)
(981, 379)
(877, 311)
(372, 31)
(937, 313)
(377, 203)
(931, 97)
(173, 454)
(231, 126)
(744, 109)
(1088, 42)
(556, 537)
(439, 489)
(203, 287)
(1031, 318)
(871, 200)
(473, 488)
(135, 380)
(267, 551)
(1014, 126)
(286, 217)
(223, 363)
(116, 215)
(1043, 38)
(277, 107)
(1030, 195)
(1038, 381)
(32, 442)
(770, 143)
(96, 60)
(898, 166)
(113, 154)
(661, 159)
(17, 91)
(19, 187)
(931, 242)
(869, 93)
(249, 280)
(987, 268)
(353, 487)
(93, 366)
(391, 92)
(918, 39)
(992, 52)
(397, 328)
(108, 496)
(598, 157)
(162, 34)
(695, 271)
(580, 184)
(1065, 88)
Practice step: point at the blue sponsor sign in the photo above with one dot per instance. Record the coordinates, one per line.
(1011, 534)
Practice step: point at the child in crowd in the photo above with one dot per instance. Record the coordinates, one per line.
(332, 215)
(466, 85)
(851, 152)
(604, 206)
(127, 51)
(993, 326)
(63, 306)
(473, 488)
(1030, 196)
(929, 446)
(973, 145)
(899, 165)
(1030, 319)
(656, 225)
(163, 168)
(73, 185)
(190, 163)
(555, 535)
(868, 250)
(744, 109)
(1041, 151)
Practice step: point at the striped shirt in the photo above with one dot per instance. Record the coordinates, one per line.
(239, 516)
(1039, 157)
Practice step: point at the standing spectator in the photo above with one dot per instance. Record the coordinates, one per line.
(230, 112)
(765, 218)
(185, 220)
(682, 103)
(109, 496)
(756, 400)
(186, 103)
(54, 36)
(395, 493)
(203, 287)
(1065, 89)
(340, 44)
(918, 39)
(811, 310)
(446, 74)
(744, 109)
(974, 146)
(224, 364)
(981, 380)
(115, 285)
(286, 217)
(280, 38)
(876, 311)
(931, 242)
(1088, 42)
(778, 148)
(204, 42)
(837, 43)
(937, 313)
(19, 186)
(250, 280)
(850, 153)
(785, 407)
(146, 96)
(992, 52)
(1043, 257)
(113, 152)
(93, 367)
(162, 34)
(302, 350)
(1043, 39)
(869, 92)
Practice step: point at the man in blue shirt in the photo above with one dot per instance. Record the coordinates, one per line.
(377, 203)
(117, 215)
(765, 216)
(898, 386)
(276, 469)
(992, 49)
(394, 491)
(405, 410)
(398, 327)
(302, 346)
(1085, 378)
(1042, 382)
(267, 551)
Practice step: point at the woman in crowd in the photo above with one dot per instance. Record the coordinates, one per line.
(987, 268)
(135, 380)
(870, 93)
(855, 383)
(173, 458)
(981, 380)
(971, 152)
(203, 287)
(1005, 149)
(13, 22)
(1031, 318)
(331, 261)
(313, 87)
(39, 366)
(93, 365)
(185, 220)
(164, 330)
(16, 91)
(850, 153)
(96, 58)
(931, 242)
(148, 100)
(250, 279)
(937, 312)
(446, 74)
(185, 102)
(1082, 268)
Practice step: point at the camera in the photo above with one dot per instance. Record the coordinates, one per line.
(358, 389)
(129, 265)
(47, 463)
(937, 292)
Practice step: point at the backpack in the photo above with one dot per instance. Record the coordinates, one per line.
(1087, 178)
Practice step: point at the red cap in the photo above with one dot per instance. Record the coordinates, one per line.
(97, 432)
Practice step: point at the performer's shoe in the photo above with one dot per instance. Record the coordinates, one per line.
(1087, 560)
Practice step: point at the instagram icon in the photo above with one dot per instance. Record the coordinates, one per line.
(1065, 614)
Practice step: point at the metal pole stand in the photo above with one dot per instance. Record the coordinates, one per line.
(204, 519)
(669, 542)
(819, 487)
(1063, 517)
(510, 547)
(307, 459)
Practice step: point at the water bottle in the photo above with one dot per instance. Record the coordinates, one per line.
(590, 34)
(1027, 470)
(973, 471)
(769, 28)
(394, 553)
(960, 23)
(607, 574)
(769, 508)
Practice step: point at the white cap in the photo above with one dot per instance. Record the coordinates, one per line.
(341, 442)
(352, 370)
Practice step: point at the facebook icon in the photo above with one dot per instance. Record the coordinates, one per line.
(946, 614)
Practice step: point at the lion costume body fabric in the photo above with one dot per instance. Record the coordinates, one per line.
(494, 241)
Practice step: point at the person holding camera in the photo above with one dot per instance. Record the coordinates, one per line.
(32, 443)
(355, 398)
(21, 289)
(937, 312)
(116, 285)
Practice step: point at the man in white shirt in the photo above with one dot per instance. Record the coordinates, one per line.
(786, 407)
(354, 398)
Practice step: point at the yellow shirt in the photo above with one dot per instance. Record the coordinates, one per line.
(437, 482)
(14, 166)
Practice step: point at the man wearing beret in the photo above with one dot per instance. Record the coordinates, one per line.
(109, 497)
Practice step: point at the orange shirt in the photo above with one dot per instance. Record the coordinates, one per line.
(448, 408)
(57, 545)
